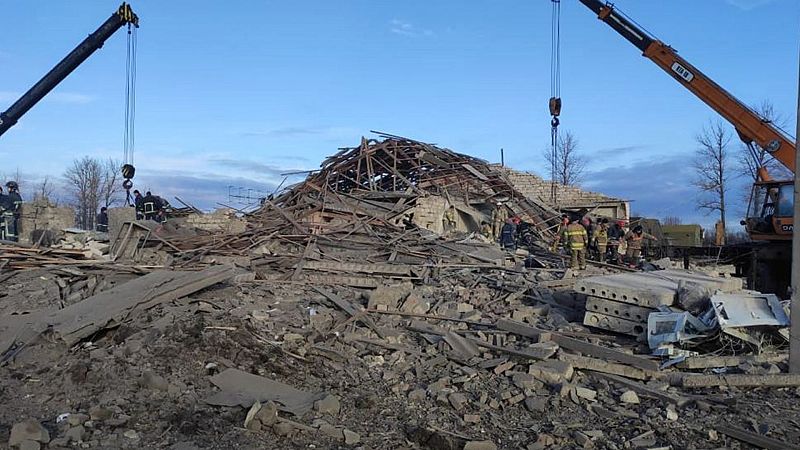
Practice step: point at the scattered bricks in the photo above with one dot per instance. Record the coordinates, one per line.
(506, 395)
(586, 393)
(331, 431)
(525, 381)
(154, 381)
(417, 395)
(75, 434)
(504, 367)
(582, 439)
(464, 308)
(536, 404)
(472, 418)
(351, 437)
(672, 413)
(494, 404)
(283, 428)
(458, 401)
(28, 430)
(516, 399)
(268, 414)
(551, 372)
(328, 405)
(629, 397)
(480, 445)
(100, 413)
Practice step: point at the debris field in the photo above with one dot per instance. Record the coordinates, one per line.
(336, 317)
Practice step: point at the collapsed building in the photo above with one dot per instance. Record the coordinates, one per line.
(352, 310)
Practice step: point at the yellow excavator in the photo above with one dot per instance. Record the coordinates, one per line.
(769, 221)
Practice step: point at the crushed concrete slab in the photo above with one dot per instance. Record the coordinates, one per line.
(243, 389)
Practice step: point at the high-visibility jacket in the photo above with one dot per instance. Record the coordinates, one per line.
(575, 236)
(601, 235)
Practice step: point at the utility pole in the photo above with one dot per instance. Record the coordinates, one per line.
(794, 330)
(502, 158)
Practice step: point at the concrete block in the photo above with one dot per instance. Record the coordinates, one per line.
(615, 324)
(625, 311)
(650, 289)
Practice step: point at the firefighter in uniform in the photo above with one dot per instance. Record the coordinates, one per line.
(575, 239)
(601, 239)
(11, 210)
(634, 239)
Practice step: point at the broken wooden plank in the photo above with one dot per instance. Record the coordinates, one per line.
(708, 362)
(756, 439)
(647, 391)
(350, 309)
(598, 365)
(579, 346)
(740, 380)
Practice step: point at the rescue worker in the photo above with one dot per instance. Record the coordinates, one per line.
(102, 220)
(575, 239)
(615, 235)
(486, 231)
(508, 235)
(587, 224)
(601, 239)
(137, 203)
(499, 216)
(11, 211)
(151, 205)
(561, 227)
(634, 239)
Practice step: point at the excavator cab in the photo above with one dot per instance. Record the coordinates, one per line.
(769, 214)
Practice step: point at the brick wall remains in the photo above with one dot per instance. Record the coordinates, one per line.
(40, 215)
(222, 220)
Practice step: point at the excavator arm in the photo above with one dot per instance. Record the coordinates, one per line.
(123, 16)
(749, 125)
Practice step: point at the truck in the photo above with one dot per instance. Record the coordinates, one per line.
(766, 260)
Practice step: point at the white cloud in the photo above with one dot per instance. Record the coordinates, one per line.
(404, 28)
(747, 5)
(67, 98)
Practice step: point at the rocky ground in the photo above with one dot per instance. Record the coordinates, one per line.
(144, 384)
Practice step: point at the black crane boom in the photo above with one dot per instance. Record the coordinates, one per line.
(123, 16)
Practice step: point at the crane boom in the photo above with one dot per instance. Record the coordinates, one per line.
(123, 16)
(749, 125)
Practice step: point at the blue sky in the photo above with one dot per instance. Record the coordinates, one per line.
(238, 93)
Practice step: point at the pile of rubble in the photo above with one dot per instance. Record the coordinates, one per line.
(337, 319)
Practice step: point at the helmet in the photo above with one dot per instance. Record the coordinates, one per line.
(638, 229)
(12, 185)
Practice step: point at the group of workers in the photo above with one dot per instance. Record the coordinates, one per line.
(148, 207)
(10, 204)
(607, 243)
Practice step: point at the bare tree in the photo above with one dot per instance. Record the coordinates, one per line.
(671, 220)
(711, 167)
(84, 180)
(111, 182)
(45, 191)
(567, 164)
(751, 159)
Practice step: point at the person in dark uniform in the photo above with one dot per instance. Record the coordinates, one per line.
(102, 220)
(11, 211)
(151, 206)
(137, 203)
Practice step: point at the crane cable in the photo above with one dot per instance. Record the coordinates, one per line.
(555, 94)
(129, 140)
